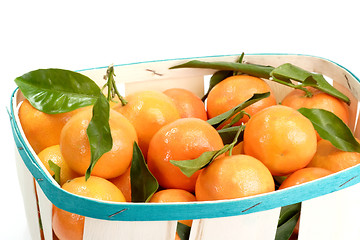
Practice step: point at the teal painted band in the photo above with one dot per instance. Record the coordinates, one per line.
(178, 211)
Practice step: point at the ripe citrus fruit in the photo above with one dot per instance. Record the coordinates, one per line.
(233, 177)
(183, 139)
(187, 103)
(280, 137)
(68, 225)
(329, 157)
(53, 153)
(75, 147)
(148, 111)
(41, 129)
(174, 195)
(234, 90)
(297, 99)
(123, 182)
(304, 175)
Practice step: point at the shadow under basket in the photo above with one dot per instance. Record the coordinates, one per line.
(330, 206)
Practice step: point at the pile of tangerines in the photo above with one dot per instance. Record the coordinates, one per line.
(172, 125)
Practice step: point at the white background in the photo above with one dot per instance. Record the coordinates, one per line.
(82, 34)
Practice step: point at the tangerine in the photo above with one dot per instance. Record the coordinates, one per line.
(70, 226)
(148, 111)
(232, 177)
(282, 138)
(75, 147)
(234, 90)
(187, 103)
(174, 195)
(53, 153)
(183, 139)
(304, 175)
(42, 130)
(329, 157)
(123, 182)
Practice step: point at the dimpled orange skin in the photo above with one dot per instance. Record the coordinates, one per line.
(148, 111)
(123, 182)
(304, 175)
(188, 104)
(75, 147)
(41, 129)
(53, 153)
(234, 90)
(183, 139)
(174, 195)
(329, 157)
(281, 138)
(70, 226)
(296, 99)
(232, 177)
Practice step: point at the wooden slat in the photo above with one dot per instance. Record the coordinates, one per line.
(107, 230)
(29, 196)
(45, 207)
(238, 227)
(332, 216)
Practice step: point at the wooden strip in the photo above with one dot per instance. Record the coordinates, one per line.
(103, 229)
(45, 207)
(29, 197)
(237, 227)
(332, 216)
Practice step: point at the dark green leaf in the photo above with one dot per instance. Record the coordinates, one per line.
(289, 215)
(98, 132)
(220, 119)
(143, 183)
(57, 90)
(183, 231)
(215, 79)
(228, 134)
(251, 69)
(56, 169)
(287, 72)
(332, 128)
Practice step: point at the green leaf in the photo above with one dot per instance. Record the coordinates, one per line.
(251, 69)
(332, 128)
(287, 72)
(57, 90)
(56, 169)
(228, 134)
(98, 132)
(289, 215)
(183, 231)
(220, 119)
(215, 79)
(143, 183)
(189, 167)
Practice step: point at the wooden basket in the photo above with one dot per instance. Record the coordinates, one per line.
(330, 206)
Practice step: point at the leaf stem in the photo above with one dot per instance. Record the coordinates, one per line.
(111, 85)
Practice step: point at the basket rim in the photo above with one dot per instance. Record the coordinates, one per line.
(178, 211)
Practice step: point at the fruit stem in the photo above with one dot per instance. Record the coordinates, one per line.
(111, 85)
(236, 139)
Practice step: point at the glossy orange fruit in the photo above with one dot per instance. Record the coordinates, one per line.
(174, 195)
(183, 139)
(304, 175)
(234, 90)
(123, 182)
(148, 111)
(70, 226)
(75, 147)
(187, 103)
(42, 130)
(53, 153)
(232, 177)
(329, 157)
(282, 138)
